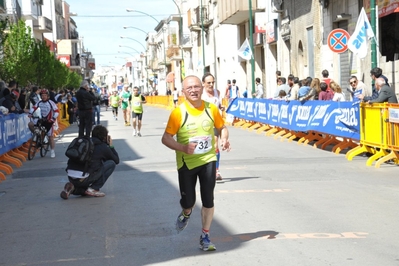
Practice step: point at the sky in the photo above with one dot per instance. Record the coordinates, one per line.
(101, 22)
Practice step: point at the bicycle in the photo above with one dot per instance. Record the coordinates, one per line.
(39, 140)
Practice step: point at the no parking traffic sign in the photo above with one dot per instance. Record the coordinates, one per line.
(337, 40)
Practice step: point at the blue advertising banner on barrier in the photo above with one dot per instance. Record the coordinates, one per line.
(340, 119)
(14, 131)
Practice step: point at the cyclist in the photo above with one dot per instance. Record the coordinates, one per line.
(48, 111)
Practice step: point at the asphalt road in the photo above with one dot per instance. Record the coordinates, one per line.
(279, 203)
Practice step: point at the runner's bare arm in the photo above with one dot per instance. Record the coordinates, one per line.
(171, 143)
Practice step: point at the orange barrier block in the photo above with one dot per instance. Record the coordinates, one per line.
(247, 125)
(271, 131)
(15, 153)
(2, 176)
(346, 143)
(9, 159)
(6, 168)
(331, 141)
(239, 123)
(280, 133)
(254, 126)
(263, 128)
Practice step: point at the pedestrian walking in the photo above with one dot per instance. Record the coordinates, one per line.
(85, 100)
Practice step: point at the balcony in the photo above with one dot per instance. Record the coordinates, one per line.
(198, 17)
(236, 11)
(73, 34)
(174, 54)
(43, 24)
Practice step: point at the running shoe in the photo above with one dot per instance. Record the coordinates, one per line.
(134, 133)
(182, 221)
(139, 134)
(52, 154)
(94, 193)
(218, 175)
(205, 243)
(68, 188)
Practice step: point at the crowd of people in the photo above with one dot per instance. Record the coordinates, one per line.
(328, 89)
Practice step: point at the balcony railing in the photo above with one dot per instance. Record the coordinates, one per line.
(198, 17)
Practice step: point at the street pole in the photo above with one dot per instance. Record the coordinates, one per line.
(251, 42)
(163, 41)
(373, 27)
(202, 38)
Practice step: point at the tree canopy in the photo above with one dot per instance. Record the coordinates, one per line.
(29, 61)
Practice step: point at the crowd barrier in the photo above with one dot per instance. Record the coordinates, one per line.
(15, 138)
(355, 127)
(163, 101)
(379, 125)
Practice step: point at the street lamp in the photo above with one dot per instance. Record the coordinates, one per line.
(121, 52)
(130, 48)
(163, 36)
(124, 37)
(131, 27)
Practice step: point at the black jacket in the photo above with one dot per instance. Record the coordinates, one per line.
(102, 153)
(9, 103)
(85, 99)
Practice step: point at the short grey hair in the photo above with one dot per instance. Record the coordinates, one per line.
(380, 81)
(84, 83)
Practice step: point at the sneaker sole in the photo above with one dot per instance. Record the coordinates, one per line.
(64, 195)
(211, 248)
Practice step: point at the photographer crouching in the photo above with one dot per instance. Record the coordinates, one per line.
(102, 164)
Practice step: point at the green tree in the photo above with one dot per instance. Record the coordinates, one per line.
(18, 49)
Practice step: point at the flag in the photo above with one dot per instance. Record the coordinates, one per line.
(358, 42)
(245, 51)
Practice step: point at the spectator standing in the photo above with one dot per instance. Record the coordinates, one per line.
(11, 102)
(339, 96)
(211, 95)
(357, 85)
(234, 91)
(325, 78)
(85, 100)
(294, 88)
(281, 82)
(175, 97)
(60, 97)
(52, 94)
(2, 89)
(96, 106)
(106, 99)
(376, 73)
(70, 109)
(195, 154)
(34, 96)
(259, 89)
(227, 90)
(102, 165)
(324, 94)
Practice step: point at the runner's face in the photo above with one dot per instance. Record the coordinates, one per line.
(209, 83)
(44, 97)
(192, 89)
(136, 92)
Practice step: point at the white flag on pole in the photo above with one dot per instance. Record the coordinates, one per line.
(245, 51)
(358, 42)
